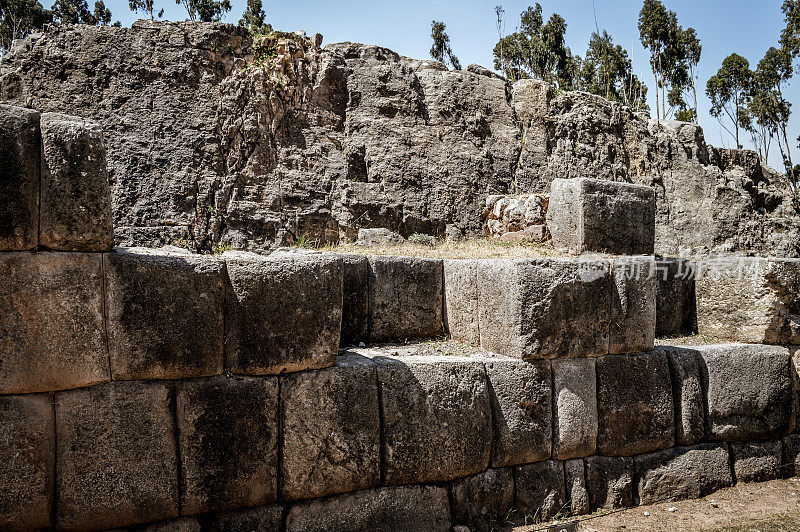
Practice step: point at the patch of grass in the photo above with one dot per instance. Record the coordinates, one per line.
(306, 242)
(780, 523)
(690, 340)
(220, 248)
(477, 248)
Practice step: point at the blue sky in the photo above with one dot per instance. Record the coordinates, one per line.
(748, 28)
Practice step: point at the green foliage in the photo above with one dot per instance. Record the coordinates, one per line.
(146, 7)
(18, 18)
(102, 15)
(205, 10)
(441, 50)
(77, 12)
(730, 91)
(254, 17)
(790, 36)
(422, 239)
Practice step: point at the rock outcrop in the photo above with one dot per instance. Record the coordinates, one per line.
(214, 138)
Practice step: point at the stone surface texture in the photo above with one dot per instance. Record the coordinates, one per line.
(676, 310)
(609, 480)
(251, 519)
(576, 490)
(355, 299)
(757, 461)
(514, 214)
(685, 367)
(483, 499)
(575, 409)
(540, 488)
(20, 166)
(461, 300)
(633, 305)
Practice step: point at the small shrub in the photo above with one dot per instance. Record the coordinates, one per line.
(422, 239)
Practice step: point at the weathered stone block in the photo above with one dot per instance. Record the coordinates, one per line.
(633, 305)
(575, 395)
(682, 472)
(267, 518)
(605, 216)
(576, 490)
(165, 314)
(483, 500)
(355, 299)
(389, 509)
(544, 308)
(228, 441)
(27, 454)
(182, 524)
(634, 403)
(609, 480)
(75, 210)
(676, 312)
(116, 450)
(790, 465)
(540, 489)
(285, 312)
(20, 151)
(687, 392)
(521, 399)
(331, 434)
(756, 461)
(748, 391)
(461, 300)
(405, 298)
(436, 419)
(51, 322)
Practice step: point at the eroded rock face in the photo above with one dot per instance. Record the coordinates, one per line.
(324, 141)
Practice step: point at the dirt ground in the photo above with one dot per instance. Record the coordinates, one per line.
(763, 507)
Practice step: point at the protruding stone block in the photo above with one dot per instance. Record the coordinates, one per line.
(521, 410)
(394, 508)
(540, 489)
(461, 300)
(544, 308)
(165, 314)
(633, 305)
(483, 500)
(575, 395)
(75, 211)
(682, 473)
(20, 151)
(604, 216)
(355, 299)
(27, 454)
(116, 450)
(436, 419)
(51, 322)
(405, 298)
(331, 430)
(228, 441)
(634, 402)
(609, 480)
(749, 391)
(577, 492)
(676, 311)
(285, 312)
(687, 392)
(756, 461)
(267, 518)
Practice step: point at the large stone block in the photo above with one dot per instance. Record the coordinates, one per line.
(575, 396)
(604, 216)
(355, 299)
(756, 461)
(521, 398)
(748, 391)
(576, 491)
(676, 311)
(436, 418)
(75, 210)
(461, 300)
(228, 442)
(682, 473)
(285, 313)
(544, 308)
(633, 305)
(182, 524)
(165, 314)
(331, 430)
(609, 480)
(540, 489)
(390, 509)
(20, 151)
(483, 500)
(51, 322)
(28, 453)
(687, 392)
(405, 298)
(634, 403)
(116, 456)
(264, 518)
(749, 299)
(790, 464)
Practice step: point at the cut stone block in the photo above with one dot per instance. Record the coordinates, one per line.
(790, 465)
(540, 489)
(483, 500)
(27, 454)
(461, 300)
(577, 492)
(676, 312)
(634, 402)
(521, 410)
(266, 518)
(405, 298)
(544, 308)
(116, 450)
(228, 441)
(331, 430)
(749, 391)
(575, 395)
(687, 392)
(609, 480)
(165, 314)
(75, 211)
(757, 461)
(51, 322)
(749, 299)
(682, 473)
(604, 216)
(436, 418)
(285, 314)
(20, 164)
(633, 305)
(183, 524)
(355, 299)
(390, 509)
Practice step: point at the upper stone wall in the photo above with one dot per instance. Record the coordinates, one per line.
(326, 140)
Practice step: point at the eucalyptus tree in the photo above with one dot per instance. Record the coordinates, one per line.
(441, 50)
